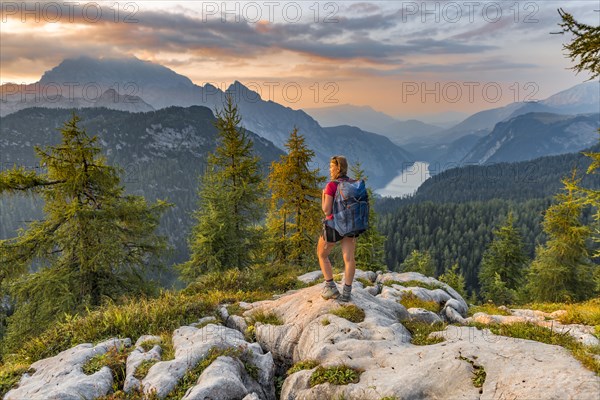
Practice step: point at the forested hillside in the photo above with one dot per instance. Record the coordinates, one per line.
(162, 154)
(453, 214)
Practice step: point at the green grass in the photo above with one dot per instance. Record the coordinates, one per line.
(115, 359)
(234, 309)
(271, 278)
(149, 344)
(479, 373)
(522, 330)
(138, 317)
(586, 313)
(410, 300)
(350, 312)
(336, 375)
(490, 309)
(268, 318)
(11, 375)
(302, 365)
(325, 321)
(191, 377)
(414, 283)
(420, 332)
(365, 282)
(142, 370)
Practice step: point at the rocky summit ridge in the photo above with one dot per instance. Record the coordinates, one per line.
(468, 363)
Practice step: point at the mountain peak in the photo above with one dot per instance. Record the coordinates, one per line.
(238, 89)
(86, 70)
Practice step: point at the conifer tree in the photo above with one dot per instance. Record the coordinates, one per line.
(562, 269)
(93, 243)
(369, 253)
(231, 195)
(585, 46)
(453, 278)
(503, 262)
(420, 262)
(294, 218)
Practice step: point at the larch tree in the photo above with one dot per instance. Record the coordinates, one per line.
(562, 269)
(505, 260)
(370, 245)
(231, 197)
(584, 50)
(420, 262)
(294, 218)
(95, 241)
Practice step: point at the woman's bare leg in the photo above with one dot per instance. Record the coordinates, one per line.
(323, 250)
(348, 247)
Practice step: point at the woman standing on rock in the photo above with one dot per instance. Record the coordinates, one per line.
(338, 169)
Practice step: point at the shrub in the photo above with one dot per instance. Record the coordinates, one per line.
(133, 319)
(302, 365)
(336, 375)
(424, 285)
(142, 369)
(410, 300)
(269, 318)
(350, 312)
(488, 308)
(115, 359)
(420, 332)
(11, 375)
(530, 331)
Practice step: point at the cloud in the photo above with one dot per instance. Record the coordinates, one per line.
(349, 38)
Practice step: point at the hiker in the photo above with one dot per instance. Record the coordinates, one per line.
(338, 169)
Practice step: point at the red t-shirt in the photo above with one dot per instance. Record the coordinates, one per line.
(331, 188)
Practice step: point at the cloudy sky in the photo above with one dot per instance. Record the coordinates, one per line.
(404, 58)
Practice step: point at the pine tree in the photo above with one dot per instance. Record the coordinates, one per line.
(562, 269)
(504, 261)
(420, 262)
(585, 46)
(294, 218)
(453, 278)
(231, 195)
(95, 241)
(370, 245)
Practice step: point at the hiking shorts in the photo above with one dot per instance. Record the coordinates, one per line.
(330, 235)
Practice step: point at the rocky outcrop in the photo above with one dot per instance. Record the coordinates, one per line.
(468, 364)
(191, 346)
(582, 333)
(62, 376)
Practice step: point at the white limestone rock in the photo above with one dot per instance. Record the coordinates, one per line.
(61, 377)
(138, 356)
(192, 345)
(422, 315)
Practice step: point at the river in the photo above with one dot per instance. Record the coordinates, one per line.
(407, 182)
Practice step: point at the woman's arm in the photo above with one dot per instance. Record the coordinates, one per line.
(327, 204)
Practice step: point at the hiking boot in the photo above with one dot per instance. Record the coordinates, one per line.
(346, 294)
(330, 292)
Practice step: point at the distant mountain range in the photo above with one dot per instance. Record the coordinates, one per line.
(383, 144)
(471, 139)
(364, 117)
(136, 85)
(533, 135)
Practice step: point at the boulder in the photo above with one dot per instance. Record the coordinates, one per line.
(192, 345)
(61, 377)
(422, 315)
(138, 356)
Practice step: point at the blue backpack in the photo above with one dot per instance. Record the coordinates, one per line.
(351, 208)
